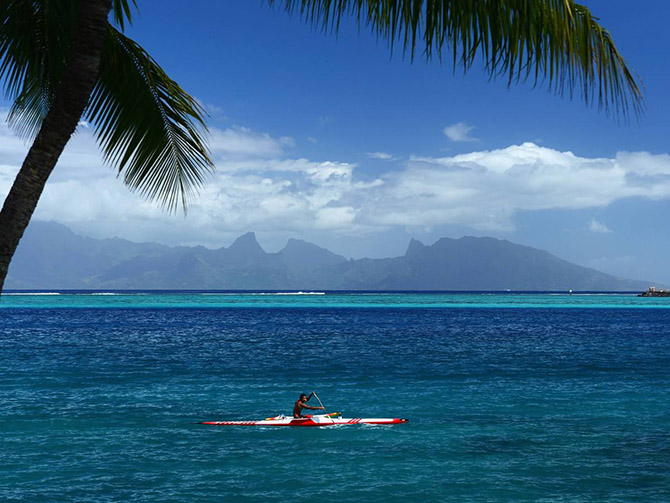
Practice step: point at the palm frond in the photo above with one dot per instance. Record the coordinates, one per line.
(34, 43)
(557, 42)
(122, 12)
(147, 126)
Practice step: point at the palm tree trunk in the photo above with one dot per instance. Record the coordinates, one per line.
(69, 103)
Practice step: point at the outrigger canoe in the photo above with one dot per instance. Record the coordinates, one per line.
(333, 419)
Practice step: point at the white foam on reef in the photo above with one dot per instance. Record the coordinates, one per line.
(32, 293)
(237, 294)
(125, 294)
(261, 293)
(291, 293)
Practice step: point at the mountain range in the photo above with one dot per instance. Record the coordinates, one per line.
(51, 256)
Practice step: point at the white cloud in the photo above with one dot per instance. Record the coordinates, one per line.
(241, 142)
(214, 110)
(258, 186)
(485, 189)
(335, 218)
(459, 132)
(383, 156)
(595, 226)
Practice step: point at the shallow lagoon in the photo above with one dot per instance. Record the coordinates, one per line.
(305, 299)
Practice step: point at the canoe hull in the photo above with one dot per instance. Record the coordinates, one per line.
(313, 421)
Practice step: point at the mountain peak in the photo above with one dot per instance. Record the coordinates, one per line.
(247, 245)
(307, 254)
(297, 243)
(414, 247)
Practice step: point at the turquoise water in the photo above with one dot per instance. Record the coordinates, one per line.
(330, 300)
(511, 397)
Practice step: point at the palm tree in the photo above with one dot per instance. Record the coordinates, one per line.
(64, 61)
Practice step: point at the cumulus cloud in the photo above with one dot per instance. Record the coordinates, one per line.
(256, 186)
(485, 189)
(459, 132)
(241, 142)
(213, 110)
(260, 186)
(383, 156)
(595, 226)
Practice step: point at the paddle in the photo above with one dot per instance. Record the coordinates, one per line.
(331, 414)
(317, 397)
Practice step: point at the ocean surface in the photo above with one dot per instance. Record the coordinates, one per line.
(511, 397)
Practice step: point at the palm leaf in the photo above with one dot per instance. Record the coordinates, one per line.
(147, 126)
(35, 38)
(34, 42)
(557, 42)
(122, 12)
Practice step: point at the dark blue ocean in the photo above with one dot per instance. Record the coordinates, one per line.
(511, 397)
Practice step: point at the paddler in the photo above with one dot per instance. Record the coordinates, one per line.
(301, 403)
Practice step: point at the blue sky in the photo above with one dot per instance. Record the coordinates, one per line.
(336, 141)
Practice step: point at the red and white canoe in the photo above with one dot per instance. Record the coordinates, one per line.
(314, 420)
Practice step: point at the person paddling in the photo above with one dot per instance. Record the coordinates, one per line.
(301, 403)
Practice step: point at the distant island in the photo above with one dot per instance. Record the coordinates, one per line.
(51, 256)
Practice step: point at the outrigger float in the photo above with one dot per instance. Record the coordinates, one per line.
(332, 419)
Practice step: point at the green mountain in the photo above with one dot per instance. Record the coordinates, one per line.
(51, 256)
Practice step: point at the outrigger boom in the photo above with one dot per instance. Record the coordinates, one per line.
(333, 419)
